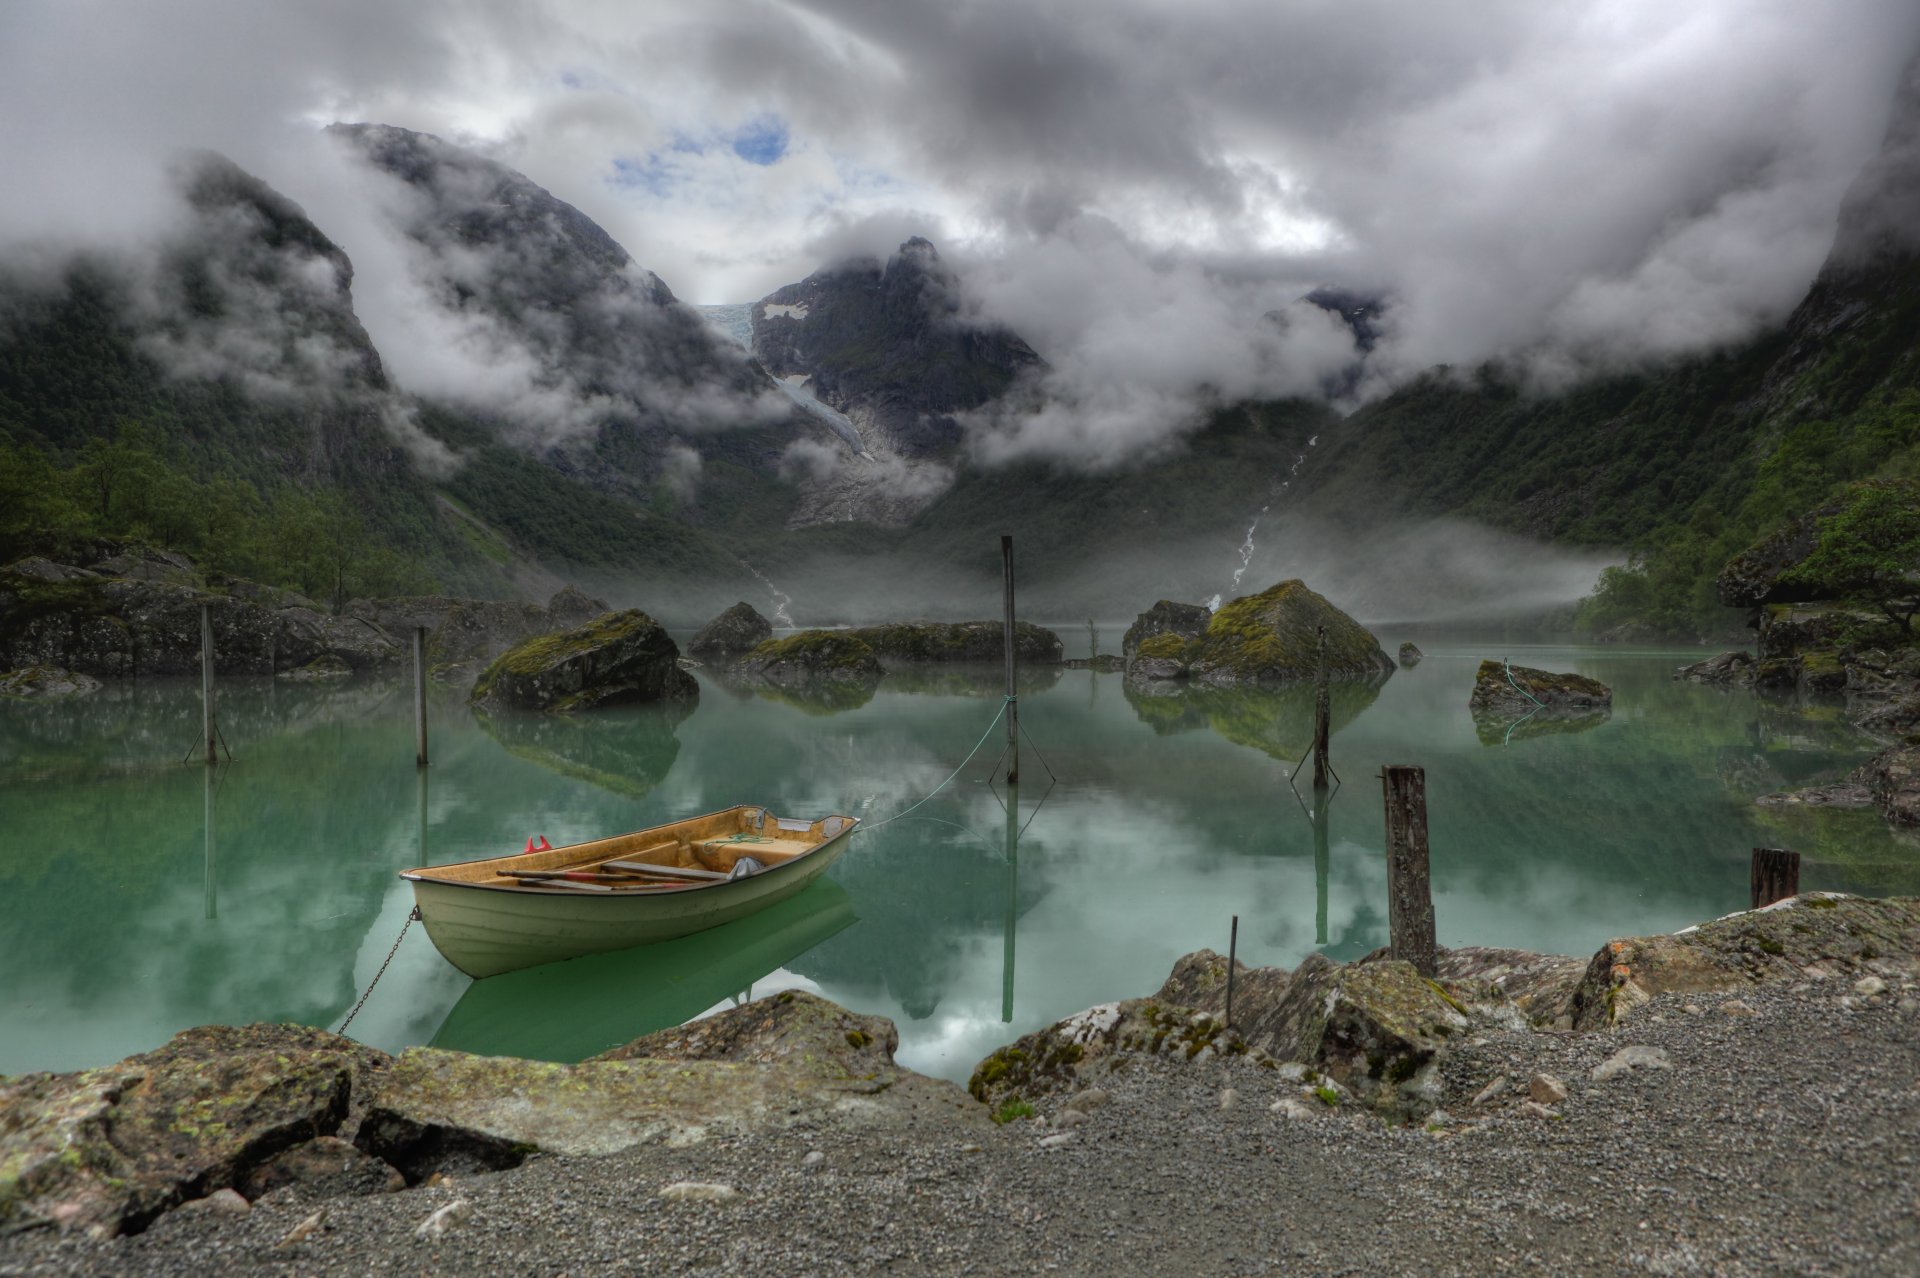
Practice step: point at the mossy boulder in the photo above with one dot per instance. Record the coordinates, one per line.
(1273, 638)
(1074, 1053)
(109, 1149)
(964, 641)
(619, 657)
(321, 669)
(1181, 620)
(46, 683)
(1815, 936)
(827, 655)
(1501, 689)
(787, 1060)
(1410, 656)
(738, 630)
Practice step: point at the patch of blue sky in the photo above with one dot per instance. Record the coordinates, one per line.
(659, 173)
(762, 140)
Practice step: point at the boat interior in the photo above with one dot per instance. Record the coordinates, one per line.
(697, 852)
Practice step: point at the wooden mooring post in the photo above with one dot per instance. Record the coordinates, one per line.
(1322, 715)
(1013, 904)
(1233, 950)
(1776, 875)
(208, 727)
(1409, 887)
(420, 696)
(1013, 700)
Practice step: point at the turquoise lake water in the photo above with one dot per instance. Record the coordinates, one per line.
(140, 895)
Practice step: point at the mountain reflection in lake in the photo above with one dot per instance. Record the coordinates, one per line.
(139, 899)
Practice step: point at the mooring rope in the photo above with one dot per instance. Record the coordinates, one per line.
(412, 914)
(874, 825)
(1508, 663)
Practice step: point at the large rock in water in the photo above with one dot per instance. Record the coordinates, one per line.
(976, 641)
(1268, 638)
(1187, 621)
(46, 683)
(740, 629)
(109, 1149)
(1530, 690)
(622, 656)
(814, 655)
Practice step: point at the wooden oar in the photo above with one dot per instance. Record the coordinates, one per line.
(663, 871)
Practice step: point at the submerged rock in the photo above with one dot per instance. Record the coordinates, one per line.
(981, 641)
(1734, 669)
(46, 683)
(1268, 638)
(1410, 656)
(621, 657)
(740, 629)
(828, 655)
(1517, 690)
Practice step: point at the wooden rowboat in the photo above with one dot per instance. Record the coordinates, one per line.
(509, 912)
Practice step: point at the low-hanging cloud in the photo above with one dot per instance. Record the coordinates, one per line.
(1130, 184)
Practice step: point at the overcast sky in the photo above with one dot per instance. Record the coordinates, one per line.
(1130, 183)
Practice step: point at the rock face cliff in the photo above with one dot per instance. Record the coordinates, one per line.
(621, 373)
(890, 346)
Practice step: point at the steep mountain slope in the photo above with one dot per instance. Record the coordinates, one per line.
(607, 376)
(1688, 464)
(887, 345)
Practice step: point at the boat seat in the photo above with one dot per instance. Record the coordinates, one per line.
(720, 854)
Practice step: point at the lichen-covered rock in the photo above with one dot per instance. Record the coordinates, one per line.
(1733, 669)
(828, 655)
(1199, 981)
(46, 683)
(1074, 1053)
(1892, 777)
(1540, 986)
(793, 1029)
(1813, 936)
(1269, 638)
(1183, 621)
(740, 629)
(1518, 690)
(620, 657)
(1410, 656)
(1375, 1027)
(963, 641)
(800, 1061)
(109, 1149)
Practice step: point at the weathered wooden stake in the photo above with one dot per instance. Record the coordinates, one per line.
(1409, 889)
(1233, 947)
(1776, 875)
(206, 680)
(1322, 714)
(420, 696)
(1013, 701)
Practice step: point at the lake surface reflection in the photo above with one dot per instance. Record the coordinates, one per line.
(139, 895)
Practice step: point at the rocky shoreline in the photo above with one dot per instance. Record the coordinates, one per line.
(1735, 1098)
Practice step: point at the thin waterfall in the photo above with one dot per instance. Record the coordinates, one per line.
(1245, 552)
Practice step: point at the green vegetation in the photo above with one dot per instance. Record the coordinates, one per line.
(1012, 1108)
(816, 650)
(129, 488)
(1869, 549)
(1167, 647)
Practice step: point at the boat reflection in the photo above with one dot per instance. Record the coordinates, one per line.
(570, 1011)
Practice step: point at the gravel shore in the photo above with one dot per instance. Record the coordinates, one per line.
(1781, 1139)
